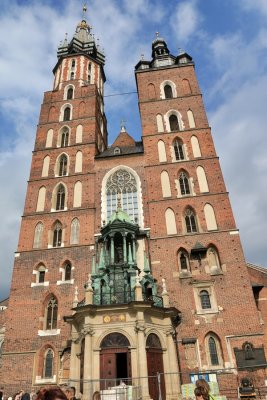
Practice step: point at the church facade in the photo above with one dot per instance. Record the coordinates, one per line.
(129, 265)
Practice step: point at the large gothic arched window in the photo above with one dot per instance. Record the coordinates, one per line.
(121, 192)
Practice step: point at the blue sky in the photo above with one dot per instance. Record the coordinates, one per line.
(228, 42)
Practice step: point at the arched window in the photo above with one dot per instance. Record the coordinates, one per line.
(213, 260)
(162, 151)
(168, 92)
(77, 194)
(178, 149)
(121, 187)
(60, 199)
(89, 72)
(210, 217)
(205, 299)
(66, 115)
(195, 147)
(165, 184)
(78, 162)
(75, 231)
(183, 260)
(41, 199)
(151, 91)
(49, 138)
(72, 63)
(67, 272)
(48, 364)
(160, 125)
(202, 180)
(79, 134)
(64, 137)
(45, 169)
(184, 184)
(213, 352)
(40, 277)
(63, 164)
(70, 93)
(170, 222)
(57, 235)
(174, 124)
(72, 75)
(51, 314)
(186, 86)
(191, 119)
(190, 221)
(38, 235)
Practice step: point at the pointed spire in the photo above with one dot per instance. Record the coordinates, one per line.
(83, 41)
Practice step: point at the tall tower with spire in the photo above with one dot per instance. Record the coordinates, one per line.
(129, 265)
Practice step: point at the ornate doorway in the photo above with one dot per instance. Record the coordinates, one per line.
(115, 360)
(154, 366)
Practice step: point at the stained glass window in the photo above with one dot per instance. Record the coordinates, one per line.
(121, 192)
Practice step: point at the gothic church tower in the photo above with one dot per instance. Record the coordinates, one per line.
(129, 262)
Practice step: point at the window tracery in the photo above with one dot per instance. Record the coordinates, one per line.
(190, 221)
(122, 184)
(51, 316)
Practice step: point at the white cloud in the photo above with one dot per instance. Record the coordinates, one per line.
(185, 20)
(256, 5)
(240, 134)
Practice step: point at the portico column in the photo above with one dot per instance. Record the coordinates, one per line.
(74, 360)
(142, 359)
(88, 355)
(112, 249)
(171, 370)
(134, 250)
(124, 249)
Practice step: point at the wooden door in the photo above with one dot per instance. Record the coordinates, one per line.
(155, 366)
(107, 368)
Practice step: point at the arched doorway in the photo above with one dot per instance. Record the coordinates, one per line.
(155, 366)
(115, 360)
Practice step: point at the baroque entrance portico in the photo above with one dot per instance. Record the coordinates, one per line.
(126, 329)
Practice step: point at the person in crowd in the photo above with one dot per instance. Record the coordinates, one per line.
(33, 394)
(96, 395)
(203, 388)
(25, 396)
(73, 389)
(69, 393)
(51, 393)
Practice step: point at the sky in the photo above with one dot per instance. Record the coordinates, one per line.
(228, 42)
